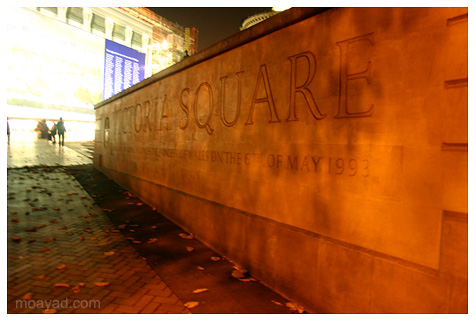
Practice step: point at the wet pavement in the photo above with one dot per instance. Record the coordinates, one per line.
(79, 243)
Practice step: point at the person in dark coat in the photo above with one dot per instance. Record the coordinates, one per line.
(60, 130)
(53, 133)
(8, 131)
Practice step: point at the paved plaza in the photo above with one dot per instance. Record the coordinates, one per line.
(91, 247)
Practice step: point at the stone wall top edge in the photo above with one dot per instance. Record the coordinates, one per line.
(268, 26)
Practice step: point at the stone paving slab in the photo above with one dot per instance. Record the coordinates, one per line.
(67, 245)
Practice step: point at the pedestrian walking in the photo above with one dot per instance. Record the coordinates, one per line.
(8, 131)
(53, 133)
(60, 129)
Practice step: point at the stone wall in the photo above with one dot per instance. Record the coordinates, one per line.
(325, 150)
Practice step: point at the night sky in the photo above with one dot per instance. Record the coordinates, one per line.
(213, 24)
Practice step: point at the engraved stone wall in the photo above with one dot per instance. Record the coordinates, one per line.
(325, 156)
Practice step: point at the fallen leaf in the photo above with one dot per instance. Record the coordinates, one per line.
(62, 266)
(94, 238)
(49, 239)
(62, 285)
(109, 253)
(30, 229)
(15, 219)
(101, 284)
(102, 244)
(277, 303)
(185, 236)
(246, 280)
(295, 307)
(237, 274)
(44, 250)
(151, 240)
(62, 228)
(40, 226)
(49, 311)
(76, 289)
(81, 238)
(137, 242)
(53, 221)
(16, 239)
(215, 258)
(81, 284)
(13, 212)
(200, 290)
(200, 268)
(42, 277)
(190, 249)
(88, 230)
(139, 204)
(27, 296)
(191, 305)
(57, 209)
(153, 227)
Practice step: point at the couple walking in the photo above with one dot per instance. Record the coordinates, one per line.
(58, 128)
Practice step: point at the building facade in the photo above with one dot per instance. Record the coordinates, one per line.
(163, 42)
